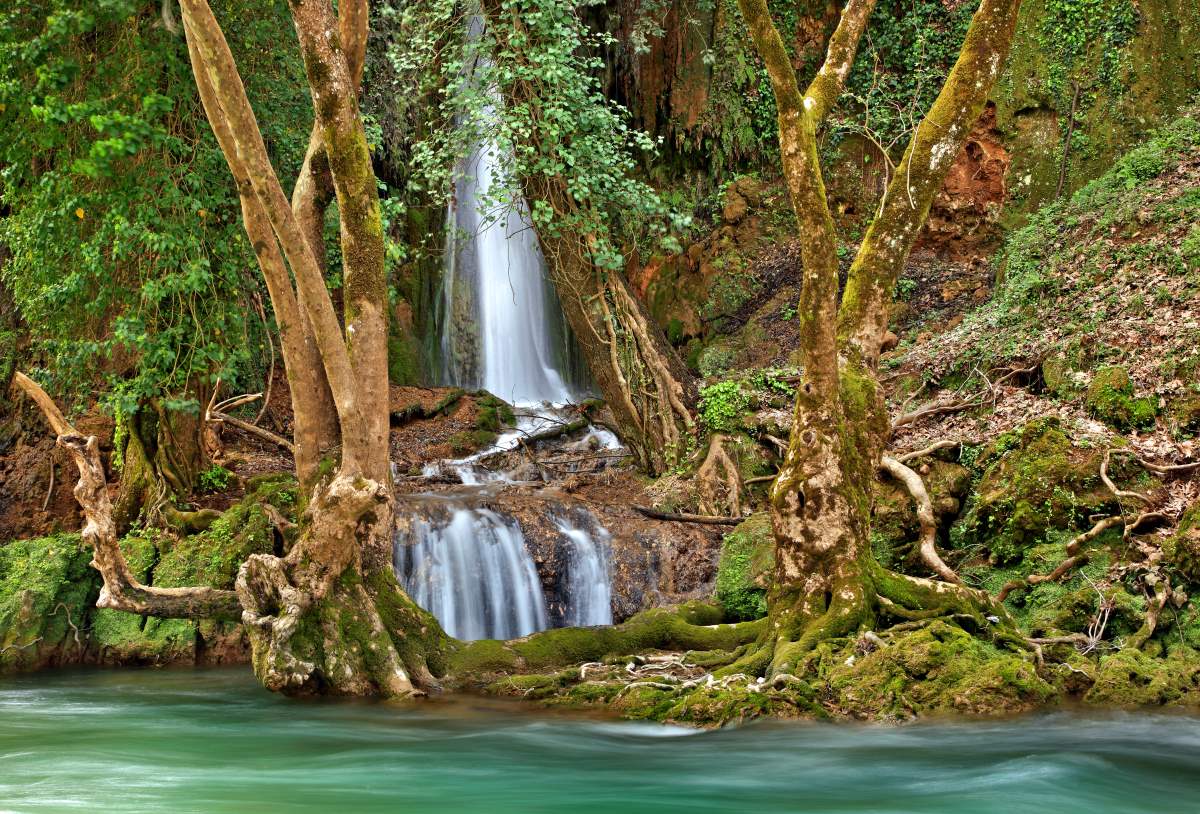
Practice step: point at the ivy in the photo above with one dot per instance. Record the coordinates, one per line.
(126, 246)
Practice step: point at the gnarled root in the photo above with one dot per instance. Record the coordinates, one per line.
(313, 626)
(920, 495)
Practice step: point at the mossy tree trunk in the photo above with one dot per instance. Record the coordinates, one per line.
(827, 582)
(162, 460)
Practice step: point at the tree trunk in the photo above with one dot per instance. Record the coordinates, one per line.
(639, 374)
(827, 583)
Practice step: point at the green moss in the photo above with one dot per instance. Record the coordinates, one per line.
(404, 360)
(1130, 678)
(46, 585)
(1034, 481)
(744, 572)
(1181, 551)
(1110, 399)
(937, 669)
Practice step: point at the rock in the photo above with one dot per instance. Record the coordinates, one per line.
(736, 207)
(744, 573)
(890, 341)
(1110, 399)
(1033, 480)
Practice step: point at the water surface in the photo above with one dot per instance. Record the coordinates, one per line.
(213, 741)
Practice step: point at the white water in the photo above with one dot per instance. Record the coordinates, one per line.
(474, 574)
(589, 583)
(494, 256)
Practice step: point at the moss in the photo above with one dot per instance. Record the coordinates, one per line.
(744, 572)
(46, 585)
(1130, 678)
(404, 360)
(1034, 481)
(468, 441)
(1110, 399)
(1181, 551)
(492, 413)
(1184, 413)
(937, 669)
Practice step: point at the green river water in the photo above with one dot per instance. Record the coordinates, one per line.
(214, 741)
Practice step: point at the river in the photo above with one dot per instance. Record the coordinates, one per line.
(214, 741)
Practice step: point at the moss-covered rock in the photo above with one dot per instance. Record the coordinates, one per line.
(1181, 551)
(1130, 678)
(1034, 481)
(1110, 399)
(46, 586)
(938, 669)
(210, 558)
(744, 572)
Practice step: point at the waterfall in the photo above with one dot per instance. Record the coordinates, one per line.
(589, 583)
(474, 574)
(502, 329)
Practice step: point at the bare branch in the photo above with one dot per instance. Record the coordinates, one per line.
(121, 590)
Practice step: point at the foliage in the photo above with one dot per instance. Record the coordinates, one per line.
(722, 405)
(215, 479)
(127, 250)
(903, 60)
(531, 90)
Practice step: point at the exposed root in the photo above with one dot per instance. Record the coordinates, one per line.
(920, 495)
(1162, 593)
(720, 482)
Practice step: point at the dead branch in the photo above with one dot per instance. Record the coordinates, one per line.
(929, 450)
(247, 427)
(688, 518)
(920, 495)
(121, 590)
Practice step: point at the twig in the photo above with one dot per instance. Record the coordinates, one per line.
(688, 518)
(50, 488)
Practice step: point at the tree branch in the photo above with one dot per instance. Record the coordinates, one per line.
(121, 590)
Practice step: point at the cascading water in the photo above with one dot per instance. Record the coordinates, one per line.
(495, 283)
(474, 574)
(502, 331)
(589, 584)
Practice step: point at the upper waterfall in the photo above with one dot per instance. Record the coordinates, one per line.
(502, 329)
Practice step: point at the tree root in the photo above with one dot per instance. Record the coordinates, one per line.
(687, 627)
(920, 495)
(719, 474)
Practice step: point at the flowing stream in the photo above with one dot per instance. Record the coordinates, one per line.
(214, 742)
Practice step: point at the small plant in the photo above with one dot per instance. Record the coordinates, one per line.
(905, 288)
(721, 404)
(215, 479)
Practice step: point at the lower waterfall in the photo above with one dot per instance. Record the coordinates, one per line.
(474, 574)
(471, 568)
(589, 585)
